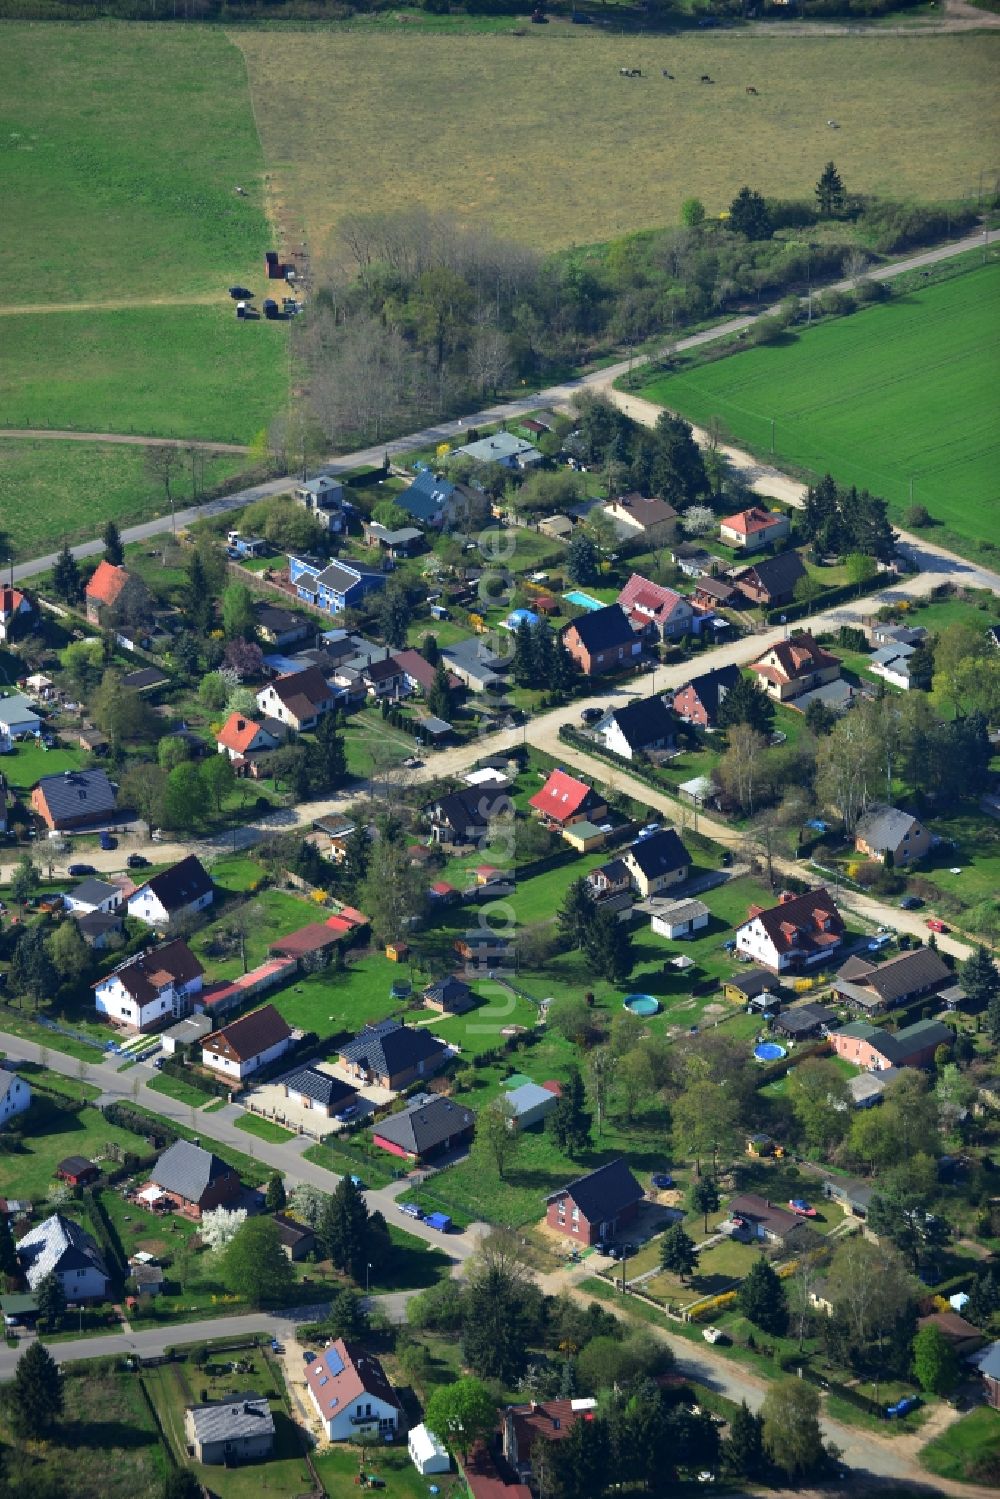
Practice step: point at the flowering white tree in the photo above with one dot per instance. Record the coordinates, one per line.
(697, 520)
(308, 1203)
(219, 1226)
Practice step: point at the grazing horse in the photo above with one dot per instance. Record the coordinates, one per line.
(705, 78)
(751, 89)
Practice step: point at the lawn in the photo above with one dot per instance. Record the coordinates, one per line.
(338, 1469)
(372, 743)
(719, 1269)
(264, 1129)
(27, 763)
(973, 848)
(517, 103)
(52, 1133)
(336, 1000)
(176, 1087)
(954, 1454)
(900, 391)
(51, 485)
(279, 914)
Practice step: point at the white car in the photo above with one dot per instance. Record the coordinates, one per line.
(712, 1334)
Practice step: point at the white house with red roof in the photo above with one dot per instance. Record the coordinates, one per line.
(791, 667)
(298, 699)
(104, 589)
(240, 737)
(14, 609)
(655, 610)
(350, 1391)
(799, 932)
(752, 529)
(564, 800)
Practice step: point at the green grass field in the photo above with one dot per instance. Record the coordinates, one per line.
(47, 487)
(899, 391)
(50, 1134)
(975, 1438)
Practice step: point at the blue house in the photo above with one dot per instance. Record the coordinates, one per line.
(333, 586)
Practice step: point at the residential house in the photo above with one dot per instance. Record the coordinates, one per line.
(182, 890)
(961, 1336)
(803, 1022)
(693, 559)
(556, 527)
(503, 448)
(771, 581)
(385, 679)
(104, 589)
(429, 1126)
(602, 641)
(872, 987)
(298, 699)
(886, 830)
(392, 1055)
(853, 1195)
(352, 1395)
(883, 633)
(77, 798)
(193, 1179)
(656, 861)
(449, 996)
(15, 1094)
(522, 1425)
(656, 612)
(93, 895)
(871, 1047)
(529, 1104)
(716, 593)
(987, 1362)
(609, 880)
(418, 674)
(793, 666)
(801, 930)
(15, 611)
(638, 518)
(18, 718)
(465, 816)
(679, 918)
(564, 800)
(277, 626)
(594, 1208)
(58, 1246)
(431, 500)
(318, 1092)
(751, 530)
(892, 664)
(699, 701)
(150, 988)
(323, 497)
(404, 541)
(248, 1044)
(640, 727)
(334, 586)
(476, 664)
(762, 1219)
(77, 1171)
(239, 1429)
(98, 928)
(297, 1240)
(242, 738)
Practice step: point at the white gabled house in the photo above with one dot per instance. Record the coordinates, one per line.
(250, 1043)
(800, 931)
(178, 891)
(354, 1398)
(60, 1247)
(151, 988)
(15, 1094)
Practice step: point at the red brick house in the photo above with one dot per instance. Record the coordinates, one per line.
(603, 640)
(429, 1126)
(193, 1179)
(699, 700)
(564, 800)
(771, 581)
(596, 1207)
(104, 589)
(877, 1050)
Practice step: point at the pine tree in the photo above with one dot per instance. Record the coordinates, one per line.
(66, 576)
(608, 945)
(746, 703)
(35, 1395)
(830, 191)
(743, 1449)
(439, 699)
(9, 1264)
(677, 1252)
(569, 1120)
(51, 1302)
(749, 216)
(523, 665)
(761, 1298)
(981, 983)
(565, 672)
(430, 650)
(357, 854)
(275, 1197)
(703, 1197)
(581, 559)
(343, 1229)
(575, 914)
(114, 551)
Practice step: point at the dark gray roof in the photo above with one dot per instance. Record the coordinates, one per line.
(92, 892)
(471, 809)
(646, 721)
(603, 1193)
(180, 885)
(451, 992)
(659, 853)
(391, 1047)
(277, 620)
(805, 1018)
(339, 578)
(712, 686)
(475, 655)
(233, 1420)
(57, 1245)
(320, 1086)
(603, 629)
(188, 1170)
(95, 924)
(425, 1124)
(776, 574)
(145, 676)
(884, 827)
(77, 793)
(753, 982)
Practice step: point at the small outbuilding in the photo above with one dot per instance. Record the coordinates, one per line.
(531, 1103)
(428, 1453)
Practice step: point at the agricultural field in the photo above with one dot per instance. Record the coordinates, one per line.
(540, 118)
(901, 390)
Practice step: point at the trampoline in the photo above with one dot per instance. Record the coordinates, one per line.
(769, 1051)
(642, 1004)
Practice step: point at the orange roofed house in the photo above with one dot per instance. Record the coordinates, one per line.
(794, 666)
(14, 609)
(104, 589)
(564, 800)
(243, 739)
(800, 931)
(754, 528)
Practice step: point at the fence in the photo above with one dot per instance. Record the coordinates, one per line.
(45, 1023)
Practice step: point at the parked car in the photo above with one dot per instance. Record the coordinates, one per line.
(346, 1113)
(904, 1406)
(936, 924)
(662, 1179)
(412, 763)
(800, 1206)
(80, 869)
(712, 1334)
(411, 1210)
(137, 861)
(910, 903)
(107, 842)
(591, 715)
(601, 1248)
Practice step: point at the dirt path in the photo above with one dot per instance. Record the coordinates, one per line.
(202, 299)
(126, 439)
(958, 16)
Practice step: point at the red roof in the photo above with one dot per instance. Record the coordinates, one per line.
(339, 924)
(352, 914)
(107, 583)
(562, 796)
(11, 600)
(311, 938)
(551, 1086)
(649, 599)
(793, 658)
(747, 522)
(238, 733)
(441, 887)
(413, 664)
(484, 1479)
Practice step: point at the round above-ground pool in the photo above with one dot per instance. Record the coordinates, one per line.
(642, 1004)
(769, 1051)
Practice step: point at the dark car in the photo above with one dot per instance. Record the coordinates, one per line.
(137, 861)
(271, 309)
(76, 869)
(347, 1112)
(591, 715)
(910, 903)
(240, 293)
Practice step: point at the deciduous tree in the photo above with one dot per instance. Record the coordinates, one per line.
(791, 1429)
(935, 1362)
(256, 1266)
(497, 1138)
(461, 1414)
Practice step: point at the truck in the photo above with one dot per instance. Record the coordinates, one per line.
(440, 1221)
(270, 308)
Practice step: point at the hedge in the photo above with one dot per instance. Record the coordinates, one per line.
(824, 600)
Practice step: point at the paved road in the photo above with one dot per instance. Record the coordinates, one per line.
(431, 436)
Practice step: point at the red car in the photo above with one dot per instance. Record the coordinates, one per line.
(803, 1208)
(936, 924)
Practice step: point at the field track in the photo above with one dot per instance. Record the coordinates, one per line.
(128, 439)
(119, 304)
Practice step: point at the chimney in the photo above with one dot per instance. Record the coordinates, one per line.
(785, 897)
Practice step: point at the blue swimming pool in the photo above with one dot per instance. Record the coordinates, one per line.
(582, 600)
(769, 1051)
(641, 1004)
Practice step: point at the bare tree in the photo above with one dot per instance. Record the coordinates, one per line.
(165, 464)
(856, 265)
(740, 767)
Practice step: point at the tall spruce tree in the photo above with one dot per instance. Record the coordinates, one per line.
(9, 1264)
(830, 191)
(570, 1120)
(34, 1397)
(343, 1229)
(761, 1298)
(66, 576)
(677, 1252)
(114, 551)
(51, 1302)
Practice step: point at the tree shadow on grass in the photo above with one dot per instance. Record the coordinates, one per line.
(104, 1435)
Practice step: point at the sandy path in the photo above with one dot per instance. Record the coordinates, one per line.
(127, 439)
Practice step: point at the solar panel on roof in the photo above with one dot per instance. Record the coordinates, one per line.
(334, 1361)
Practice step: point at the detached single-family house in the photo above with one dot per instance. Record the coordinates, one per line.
(637, 728)
(883, 633)
(602, 641)
(277, 626)
(58, 1246)
(679, 918)
(392, 1055)
(15, 1094)
(237, 1430)
(18, 718)
(179, 891)
(93, 895)
(654, 611)
(771, 581)
(15, 611)
(520, 1428)
(243, 738)
(297, 1240)
(323, 497)
(98, 928)
(419, 674)
(752, 529)
(962, 1336)
(874, 1049)
(77, 798)
(465, 816)
(104, 589)
(334, 586)
(150, 988)
(883, 830)
(193, 1179)
(248, 1044)
(872, 987)
(298, 699)
(449, 996)
(638, 518)
(352, 1395)
(761, 1219)
(853, 1195)
(596, 1207)
(530, 1104)
(405, 541)
(608, 880)
(431, 500)
(477, 665)
(317, 1092)
(429, 1126)
(793, 666)
(892, 664)
(564, 800)
(656, 861)
(503, 448)
(801, 930)
(700, 700)
(987, 1362)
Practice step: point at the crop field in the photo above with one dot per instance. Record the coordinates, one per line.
(902, 390)
(538, 136)
(47, 489)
